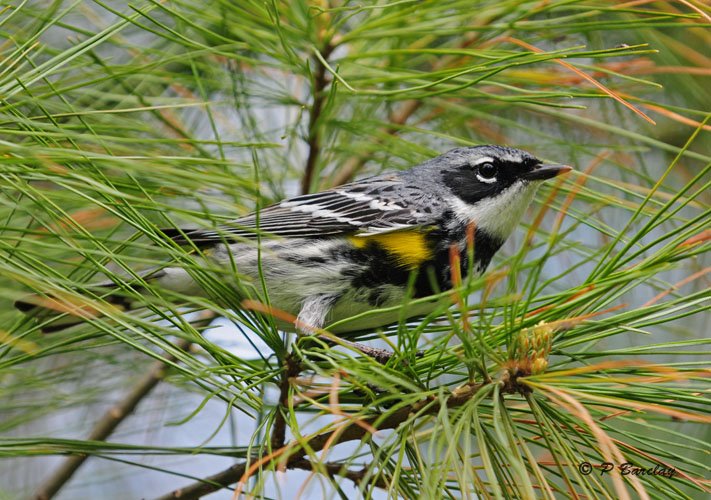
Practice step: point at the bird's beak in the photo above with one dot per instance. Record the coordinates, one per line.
(543, 172)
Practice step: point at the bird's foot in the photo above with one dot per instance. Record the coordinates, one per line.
(382, 356)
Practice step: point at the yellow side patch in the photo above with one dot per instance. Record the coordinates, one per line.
(410, 248)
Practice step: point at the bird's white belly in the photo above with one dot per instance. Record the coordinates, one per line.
(290, 285)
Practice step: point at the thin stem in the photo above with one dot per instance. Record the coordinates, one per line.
(335, 469)
(292, 369)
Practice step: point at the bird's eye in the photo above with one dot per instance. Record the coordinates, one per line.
(487, 172)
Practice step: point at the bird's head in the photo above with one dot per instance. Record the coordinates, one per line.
(492, 185)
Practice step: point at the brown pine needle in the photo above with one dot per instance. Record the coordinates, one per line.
(582, 74)
(676, 286)
(699, 238)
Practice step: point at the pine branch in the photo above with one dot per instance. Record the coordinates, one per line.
(292, 369)
(208, 485)
(334, 470)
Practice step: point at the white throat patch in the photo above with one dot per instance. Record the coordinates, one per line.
(500, 215)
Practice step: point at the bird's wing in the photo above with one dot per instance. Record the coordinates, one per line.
(371, 206)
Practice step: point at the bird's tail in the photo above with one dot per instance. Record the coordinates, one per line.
(70, 310)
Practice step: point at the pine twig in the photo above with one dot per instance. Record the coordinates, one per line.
(292, 369)
(334, 469)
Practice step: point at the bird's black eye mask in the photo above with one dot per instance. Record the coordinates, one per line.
(485, 179)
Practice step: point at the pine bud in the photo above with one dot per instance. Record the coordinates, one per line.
(539, 366)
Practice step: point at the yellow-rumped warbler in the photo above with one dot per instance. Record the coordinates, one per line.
(352, 249)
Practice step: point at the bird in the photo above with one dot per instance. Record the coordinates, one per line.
(356, 250)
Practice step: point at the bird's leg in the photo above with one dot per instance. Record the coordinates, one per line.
(382, 356)
(313, 312)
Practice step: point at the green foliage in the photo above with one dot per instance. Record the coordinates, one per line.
(587, 341)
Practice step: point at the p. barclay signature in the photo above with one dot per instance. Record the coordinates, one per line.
(627, 469)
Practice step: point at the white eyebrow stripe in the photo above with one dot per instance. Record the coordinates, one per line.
(486, 159)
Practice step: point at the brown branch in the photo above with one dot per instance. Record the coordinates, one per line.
(208, 485)
(292, 369)
(314, 140)
(112, 418)
(350, 431)
(230, 476)
(334, 469)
